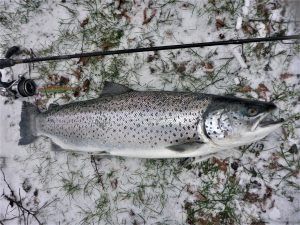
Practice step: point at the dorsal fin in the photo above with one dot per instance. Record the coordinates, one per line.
(52, 105)
(112, 88)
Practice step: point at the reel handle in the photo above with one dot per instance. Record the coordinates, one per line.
(5, 84)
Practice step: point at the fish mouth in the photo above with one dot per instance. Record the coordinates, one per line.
(267, 123)
(262, 123)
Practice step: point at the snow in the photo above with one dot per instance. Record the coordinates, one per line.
(235, 51)
(236, 80)
(239, 23)
(262, 30)
(153, 191)
(276, 15)
(246, 7)
(274, 213)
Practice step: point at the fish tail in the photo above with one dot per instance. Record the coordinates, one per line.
(28, 123)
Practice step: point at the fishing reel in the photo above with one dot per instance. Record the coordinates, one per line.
(21, 87)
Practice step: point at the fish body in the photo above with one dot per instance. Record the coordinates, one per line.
(149, 124)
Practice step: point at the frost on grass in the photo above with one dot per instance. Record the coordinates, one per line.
(260, 187)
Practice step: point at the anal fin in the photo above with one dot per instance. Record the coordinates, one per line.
(56, 148)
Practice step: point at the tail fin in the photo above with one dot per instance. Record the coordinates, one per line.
(28, 123)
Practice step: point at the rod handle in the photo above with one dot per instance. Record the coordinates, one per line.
(6, 63)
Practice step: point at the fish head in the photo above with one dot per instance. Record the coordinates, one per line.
(232, 122)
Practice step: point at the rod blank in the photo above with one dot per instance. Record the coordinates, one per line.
(10, 62)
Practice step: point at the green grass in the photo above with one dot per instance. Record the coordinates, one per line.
(218, 206)
(69, 187)
(100, 211)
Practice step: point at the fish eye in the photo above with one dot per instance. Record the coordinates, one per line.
(252, 111)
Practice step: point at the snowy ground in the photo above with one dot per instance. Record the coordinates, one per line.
(261, 187)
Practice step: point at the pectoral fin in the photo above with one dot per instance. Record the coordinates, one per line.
(185, 147)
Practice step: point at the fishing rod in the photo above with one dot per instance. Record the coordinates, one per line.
(27, 87)
(11, 62)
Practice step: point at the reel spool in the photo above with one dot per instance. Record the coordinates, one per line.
(17, 88)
